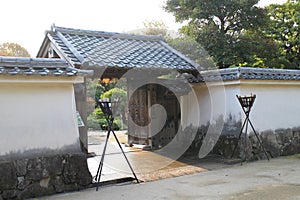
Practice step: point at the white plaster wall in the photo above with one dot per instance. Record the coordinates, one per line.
(215, 101)
(233, 108)
(189, 106)
(37, 116)
(277, 103)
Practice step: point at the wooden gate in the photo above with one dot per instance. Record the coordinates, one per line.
(139, 107)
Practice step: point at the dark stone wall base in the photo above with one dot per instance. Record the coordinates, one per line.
(279, 142)
(27, 178)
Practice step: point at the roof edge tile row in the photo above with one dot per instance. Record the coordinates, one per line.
(39, 66)
(247, 73)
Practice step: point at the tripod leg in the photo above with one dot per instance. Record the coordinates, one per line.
(238, 138)
(125, 157)
(245, 141)
(99, 171)
(259, 141)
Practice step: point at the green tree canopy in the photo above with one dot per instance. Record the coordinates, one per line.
(155, 28)
(193, 50)
(13, 49)
(258, 50)
(285, 31)
(182, 43)
(218, 25)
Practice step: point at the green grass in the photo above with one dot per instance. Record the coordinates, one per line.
(296, 156)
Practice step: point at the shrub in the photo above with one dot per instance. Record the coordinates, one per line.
(96, 121)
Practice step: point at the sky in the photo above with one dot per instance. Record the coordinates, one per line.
(25, 22)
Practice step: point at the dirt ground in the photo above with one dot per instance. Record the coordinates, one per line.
(267, 180)
(190, 178)
(255, 180)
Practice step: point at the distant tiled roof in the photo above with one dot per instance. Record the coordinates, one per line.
(117, 50)
(38, 66)
(247, 73)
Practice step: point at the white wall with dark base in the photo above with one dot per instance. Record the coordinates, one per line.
(38, 116)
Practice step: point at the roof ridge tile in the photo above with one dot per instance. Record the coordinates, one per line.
(107, 34)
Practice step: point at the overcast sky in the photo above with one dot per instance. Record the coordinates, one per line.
(25, 21)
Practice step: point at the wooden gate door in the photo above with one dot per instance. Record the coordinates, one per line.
(138, 111)
(139, 107)
(169, 101)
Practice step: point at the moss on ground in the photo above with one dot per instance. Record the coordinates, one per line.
(295, 156)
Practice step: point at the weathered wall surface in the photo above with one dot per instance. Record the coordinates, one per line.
(39, 148)
(40, 145)
(214, 101)
(26, 178)
(276, 105)
(274, 116)
(38, 117)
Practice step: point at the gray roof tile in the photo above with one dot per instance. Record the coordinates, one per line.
(106, 49)
(38, 66)
(247, 73)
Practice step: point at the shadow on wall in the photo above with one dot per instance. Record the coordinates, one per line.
(31, 153)
(279, 142)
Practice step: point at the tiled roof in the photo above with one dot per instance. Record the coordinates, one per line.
(239, 73)
(117, 50)
(38, 66)
(177, 86)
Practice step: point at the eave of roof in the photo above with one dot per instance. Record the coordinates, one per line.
(116, 50)
(38, 66)
(247, 73)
